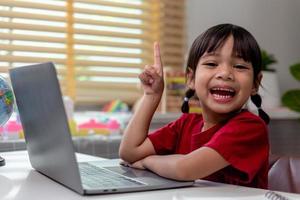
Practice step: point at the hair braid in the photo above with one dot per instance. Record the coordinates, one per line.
(256, 99)
(185, 106)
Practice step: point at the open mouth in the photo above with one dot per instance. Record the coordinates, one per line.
(222, 94)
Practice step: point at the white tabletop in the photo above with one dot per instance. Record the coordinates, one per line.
(19, 181)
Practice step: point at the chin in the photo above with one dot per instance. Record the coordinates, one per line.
(224, 109)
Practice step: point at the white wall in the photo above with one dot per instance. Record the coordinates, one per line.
(274, 23)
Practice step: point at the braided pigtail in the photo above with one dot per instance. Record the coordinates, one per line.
(256, 99)
(185, 106)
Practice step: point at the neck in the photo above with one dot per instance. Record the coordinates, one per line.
(211, 119)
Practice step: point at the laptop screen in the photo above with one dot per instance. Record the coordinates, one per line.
(45, 124)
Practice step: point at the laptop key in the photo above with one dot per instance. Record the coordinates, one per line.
(96, 177)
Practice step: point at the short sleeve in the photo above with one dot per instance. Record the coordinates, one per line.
(164, 139)
(243, 142)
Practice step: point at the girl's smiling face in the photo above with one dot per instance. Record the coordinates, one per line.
(223, 81)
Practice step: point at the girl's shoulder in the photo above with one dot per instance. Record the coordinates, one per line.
(246, 117)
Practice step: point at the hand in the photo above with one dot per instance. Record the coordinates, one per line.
(152, 78)
(137, 165)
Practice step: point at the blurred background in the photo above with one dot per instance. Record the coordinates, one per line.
(100, 46)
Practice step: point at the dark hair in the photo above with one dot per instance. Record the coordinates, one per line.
(245, 46)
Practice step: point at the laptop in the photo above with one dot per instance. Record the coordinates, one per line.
(50, 146)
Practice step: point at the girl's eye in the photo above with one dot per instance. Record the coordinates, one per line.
(211, 64)
(239, 66)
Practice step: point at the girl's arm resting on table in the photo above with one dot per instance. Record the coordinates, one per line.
(197, 164)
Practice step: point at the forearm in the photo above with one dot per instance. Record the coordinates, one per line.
(137, 130)
(197, 164)
(168, 166)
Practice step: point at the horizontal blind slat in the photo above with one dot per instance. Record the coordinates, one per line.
(111, 54)
(11, 47)
(143, 6)
(110, 33)
(27, 59)
(14, 36)
(85, 72)
(16, 14)
(30, 4)
(14, 25)
(111, 14)
(32, 27)
(144, 26)
(103, 63)
(112, 44)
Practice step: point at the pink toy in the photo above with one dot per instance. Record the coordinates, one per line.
(11, 130)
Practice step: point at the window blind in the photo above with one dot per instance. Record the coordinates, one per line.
(98, 46)
(33, 32)
(171, 30)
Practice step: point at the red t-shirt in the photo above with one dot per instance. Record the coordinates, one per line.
(242, 141)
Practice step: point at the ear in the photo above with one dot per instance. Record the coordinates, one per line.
(256, 84)
(190, 79)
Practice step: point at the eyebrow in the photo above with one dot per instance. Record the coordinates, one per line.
(218, 55)
(211, 54)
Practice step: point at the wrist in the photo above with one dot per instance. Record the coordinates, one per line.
(152, 97)
(145, 162)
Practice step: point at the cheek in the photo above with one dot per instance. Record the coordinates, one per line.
(201, 85)
(248, 86)
(202, 75)
(201, 81)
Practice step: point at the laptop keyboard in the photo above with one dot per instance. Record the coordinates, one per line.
(98, 177)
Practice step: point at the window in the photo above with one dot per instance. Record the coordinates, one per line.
(98, 46)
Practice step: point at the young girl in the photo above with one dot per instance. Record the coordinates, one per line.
(226, 143)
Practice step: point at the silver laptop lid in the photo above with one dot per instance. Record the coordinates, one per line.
(45, 124)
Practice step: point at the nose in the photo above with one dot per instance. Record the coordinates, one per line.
(225, 72)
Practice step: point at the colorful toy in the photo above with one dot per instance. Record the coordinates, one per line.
(115, 106)
(12, 130)
(95, 127)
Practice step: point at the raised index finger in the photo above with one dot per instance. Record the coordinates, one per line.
(157, 58)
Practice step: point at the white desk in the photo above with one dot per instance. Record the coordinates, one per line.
(19, 181)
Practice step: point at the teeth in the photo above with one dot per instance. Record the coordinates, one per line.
(217, 96)
(224, 89)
